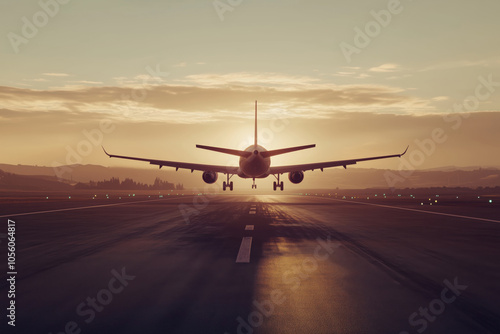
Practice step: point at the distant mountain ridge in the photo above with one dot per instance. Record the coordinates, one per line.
(352, 178)
(10, 181)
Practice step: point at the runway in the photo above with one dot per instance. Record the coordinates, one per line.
(228, 263)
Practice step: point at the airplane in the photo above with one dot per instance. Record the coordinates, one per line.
(255, 163)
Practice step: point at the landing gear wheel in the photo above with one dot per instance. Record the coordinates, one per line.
(224, 185)
(278, 184)
(231, 186)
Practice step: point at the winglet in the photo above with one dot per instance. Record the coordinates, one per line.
(109, 155)
(404, 151)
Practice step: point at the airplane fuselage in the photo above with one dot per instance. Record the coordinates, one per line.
(255, 165)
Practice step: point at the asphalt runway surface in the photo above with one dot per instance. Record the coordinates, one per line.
(231, 263)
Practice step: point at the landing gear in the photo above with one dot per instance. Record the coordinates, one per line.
(254, 186)
(227, 184)
(278, 184)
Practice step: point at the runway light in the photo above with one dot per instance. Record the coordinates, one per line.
(435, 201)
(421, 203)
(491, 201)
(69, 197)
(46, 198)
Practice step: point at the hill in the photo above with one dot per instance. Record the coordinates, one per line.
(352, 178)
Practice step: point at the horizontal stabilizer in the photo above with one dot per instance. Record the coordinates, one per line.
(226, 151)
(285, 150)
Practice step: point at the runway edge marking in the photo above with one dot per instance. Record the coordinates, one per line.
(416, 210)
(82, 207)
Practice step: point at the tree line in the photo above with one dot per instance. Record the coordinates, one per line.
(129, 184)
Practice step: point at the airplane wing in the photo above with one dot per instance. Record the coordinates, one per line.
(327, 164)
(183, 165)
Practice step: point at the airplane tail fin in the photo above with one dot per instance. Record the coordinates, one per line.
(255, 137)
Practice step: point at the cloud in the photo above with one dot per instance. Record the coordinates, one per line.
(249, 79)
(451, 64)
(385, 68)
(88, 82)
(441, 98)
(36, 80)
(210, 97)
(56, 74)
(161, 101)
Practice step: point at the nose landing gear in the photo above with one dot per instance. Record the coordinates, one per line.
(254, 186)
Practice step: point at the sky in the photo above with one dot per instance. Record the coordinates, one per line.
(155, 78)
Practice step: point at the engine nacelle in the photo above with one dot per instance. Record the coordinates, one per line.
(209, 177)
(296, 177)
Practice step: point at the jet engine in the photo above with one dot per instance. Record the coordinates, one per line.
(296, 177)
(209, 177)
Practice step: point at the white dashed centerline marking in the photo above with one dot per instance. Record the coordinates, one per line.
(249, 228)
(244, 253)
